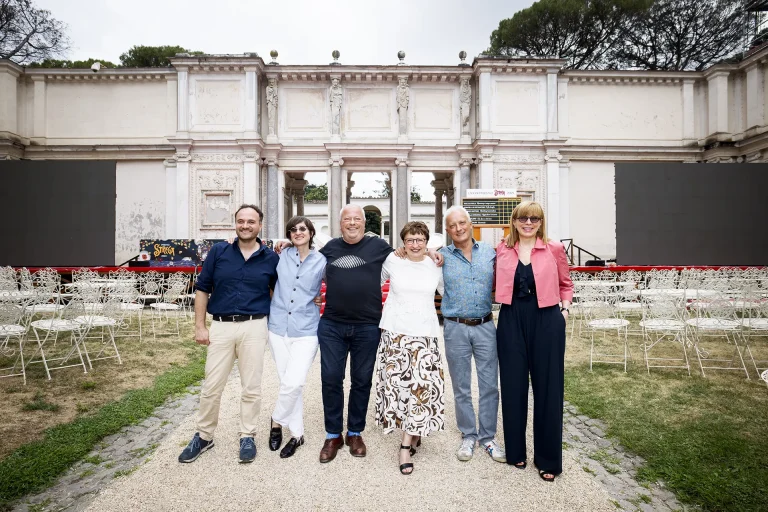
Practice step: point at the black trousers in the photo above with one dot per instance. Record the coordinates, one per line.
(531, 340)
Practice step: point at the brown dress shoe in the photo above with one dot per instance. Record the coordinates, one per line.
(356, 446)
(330, 448)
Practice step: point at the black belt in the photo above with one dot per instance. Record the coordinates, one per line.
(471, 321)
(237, 318)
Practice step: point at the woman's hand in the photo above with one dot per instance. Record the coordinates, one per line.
(565, 314)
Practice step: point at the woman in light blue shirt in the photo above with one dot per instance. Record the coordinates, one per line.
(293, 320)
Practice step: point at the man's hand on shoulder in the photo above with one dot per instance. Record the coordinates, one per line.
(400, 252)
(201, 336)
(436, 256)
(281, 244)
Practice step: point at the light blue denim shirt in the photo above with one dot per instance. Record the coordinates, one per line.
(468, 285)
(293, 312)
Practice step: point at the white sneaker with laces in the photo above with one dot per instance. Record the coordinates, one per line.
(466, 450)
(495, 451)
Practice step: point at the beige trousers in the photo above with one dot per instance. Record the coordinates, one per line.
(244, 341)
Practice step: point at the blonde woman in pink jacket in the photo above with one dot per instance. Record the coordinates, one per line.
(535, 289)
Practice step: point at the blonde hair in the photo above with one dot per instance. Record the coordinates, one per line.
(526, 209)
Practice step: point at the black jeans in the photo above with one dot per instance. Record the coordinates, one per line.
(360, 341)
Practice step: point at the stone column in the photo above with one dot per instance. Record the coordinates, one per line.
(403, 100)
(439, 189)
(755, 96)
(402, 198)
(182, 106)
(272, 212)
(272, 108)
(464, 164)
(170, 197)
(552, 103)
(717, 85)
(484, 95)
(465, 101)
(300, 203)
(39, 109)
(449, 193)
(251, 103)
(250, 178)
(565, 199)
(336, 96)
(334, 195)
(552, 159)
(689, 125)
(182, 194)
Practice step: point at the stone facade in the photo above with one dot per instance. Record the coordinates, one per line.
(217, 130)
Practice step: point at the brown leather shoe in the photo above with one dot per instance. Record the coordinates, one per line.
(356, 446)
(330, 448)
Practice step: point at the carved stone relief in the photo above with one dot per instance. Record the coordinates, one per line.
(216, 193)
(402, 105)
(465, 100)
(336, 97)
(272, 107)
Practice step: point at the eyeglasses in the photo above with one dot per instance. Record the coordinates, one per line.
(301, 229)
(414, 241)
(524, 220)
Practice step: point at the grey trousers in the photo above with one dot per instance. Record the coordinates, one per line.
(461, 343)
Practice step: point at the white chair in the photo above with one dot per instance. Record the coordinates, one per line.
(169, 303)
(663, 321)
(47, 330)
(107, 319)
(602, 317)
(754, 322)
(716, 318)
(12, 327)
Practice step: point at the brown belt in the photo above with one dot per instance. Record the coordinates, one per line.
(471, 321)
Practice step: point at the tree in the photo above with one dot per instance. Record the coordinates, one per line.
(152, 56)
(69, 64)
(316, 192)
(28, 34)
(582, 32)
(372, 222)
(415, 195)
(682, 35)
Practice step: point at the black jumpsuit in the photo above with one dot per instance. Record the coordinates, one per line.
(531, 339)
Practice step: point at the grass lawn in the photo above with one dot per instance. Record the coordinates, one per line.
(706, 438)
(49, 425)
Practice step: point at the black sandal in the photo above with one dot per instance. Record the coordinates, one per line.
(520, 465)
(406, 465)
(550, 478)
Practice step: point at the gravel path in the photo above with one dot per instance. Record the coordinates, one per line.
(138, 469)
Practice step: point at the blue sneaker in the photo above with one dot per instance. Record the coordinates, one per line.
(247, 449)
(195, 447)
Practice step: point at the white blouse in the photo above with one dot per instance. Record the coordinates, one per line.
(410, 305)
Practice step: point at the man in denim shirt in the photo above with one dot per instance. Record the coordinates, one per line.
(469, 331)
(237, 278)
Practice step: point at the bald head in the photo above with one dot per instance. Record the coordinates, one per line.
(352, 223)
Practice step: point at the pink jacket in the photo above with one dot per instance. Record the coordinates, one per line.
(550, 271)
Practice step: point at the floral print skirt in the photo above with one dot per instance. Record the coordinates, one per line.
(410, 388)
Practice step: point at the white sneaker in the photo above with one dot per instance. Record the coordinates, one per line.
(495, 451)
(466, 450)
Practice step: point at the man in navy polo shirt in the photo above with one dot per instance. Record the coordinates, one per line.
(234, 287)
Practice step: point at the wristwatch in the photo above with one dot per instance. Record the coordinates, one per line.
(565, 309)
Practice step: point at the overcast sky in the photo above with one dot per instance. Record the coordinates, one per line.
(431, 32)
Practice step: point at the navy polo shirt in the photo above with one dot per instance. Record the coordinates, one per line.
(238, 286)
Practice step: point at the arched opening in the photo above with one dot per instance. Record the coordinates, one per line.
(373, 221)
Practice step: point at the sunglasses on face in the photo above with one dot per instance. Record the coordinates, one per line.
(523, 220)
(301, 229)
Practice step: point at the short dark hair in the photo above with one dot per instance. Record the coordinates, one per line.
(252, 207)
(414, 228)
(295, 221)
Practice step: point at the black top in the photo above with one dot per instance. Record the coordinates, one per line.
(238, 286)
(525, 285)
(353, 280)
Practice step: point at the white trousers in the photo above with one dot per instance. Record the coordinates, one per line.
(293, 357)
